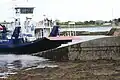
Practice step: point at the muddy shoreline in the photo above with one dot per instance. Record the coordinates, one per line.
(76, 70)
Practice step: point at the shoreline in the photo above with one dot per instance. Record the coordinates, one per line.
(83, 26)
(82, 70)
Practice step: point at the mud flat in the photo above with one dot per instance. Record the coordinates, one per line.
(75, 70)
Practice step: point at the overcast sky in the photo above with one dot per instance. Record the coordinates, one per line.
(64, 10)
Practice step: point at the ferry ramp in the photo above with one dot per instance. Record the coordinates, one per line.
(98, 48)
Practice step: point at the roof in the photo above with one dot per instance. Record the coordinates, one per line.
(24, 5)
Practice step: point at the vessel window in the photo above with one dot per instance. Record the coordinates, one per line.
(26, 10)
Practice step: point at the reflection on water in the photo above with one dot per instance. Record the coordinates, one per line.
(10, 63)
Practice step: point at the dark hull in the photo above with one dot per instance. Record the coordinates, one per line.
(32, 47)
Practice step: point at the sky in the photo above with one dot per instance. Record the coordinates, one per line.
(66, 10)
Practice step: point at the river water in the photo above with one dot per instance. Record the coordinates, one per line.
(90, 29)
(11, 62)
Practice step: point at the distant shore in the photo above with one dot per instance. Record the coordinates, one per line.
(79, 26)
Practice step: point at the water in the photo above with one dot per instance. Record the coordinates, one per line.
(10, 63)
(78, 39)
(90, 29)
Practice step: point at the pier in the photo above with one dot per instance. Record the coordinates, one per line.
(102, 48)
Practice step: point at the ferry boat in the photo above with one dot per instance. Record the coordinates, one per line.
(20, 38)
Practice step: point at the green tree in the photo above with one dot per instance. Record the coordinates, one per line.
(86, 22)
(91, 22)
(79, 23)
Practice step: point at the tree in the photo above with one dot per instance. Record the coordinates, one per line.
(79, 23)
(91, 22)
(110, 21)
(57, 22)
(118, 19)
(99, 22)
(86, 22)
